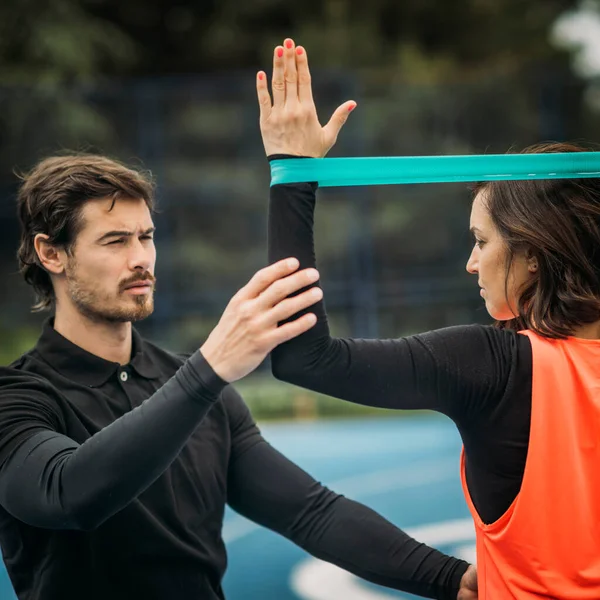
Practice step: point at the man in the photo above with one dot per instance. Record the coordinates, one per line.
(116, 457)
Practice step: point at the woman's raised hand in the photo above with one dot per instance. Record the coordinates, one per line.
(288, 121)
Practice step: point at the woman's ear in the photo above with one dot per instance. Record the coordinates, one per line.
(48, 254)
(532, 262)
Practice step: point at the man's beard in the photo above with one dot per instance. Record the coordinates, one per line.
(96, 306)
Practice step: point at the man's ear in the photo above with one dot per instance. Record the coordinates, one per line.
(50, 257)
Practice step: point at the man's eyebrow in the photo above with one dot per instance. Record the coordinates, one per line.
(123, 233)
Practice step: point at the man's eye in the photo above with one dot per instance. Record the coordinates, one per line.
(120, 241)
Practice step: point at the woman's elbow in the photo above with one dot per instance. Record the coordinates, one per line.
(286, 366)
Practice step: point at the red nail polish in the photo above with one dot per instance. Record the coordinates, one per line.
(298, 51)
(280, 52)
(261, 76)
(289, 44)
(351, 107)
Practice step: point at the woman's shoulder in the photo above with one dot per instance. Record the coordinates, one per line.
(485, 333)
(486, 345)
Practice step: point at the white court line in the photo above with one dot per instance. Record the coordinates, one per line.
(467, 552)
(314, 579)
(363, 486)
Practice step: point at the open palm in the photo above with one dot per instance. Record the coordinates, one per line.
(288, 122)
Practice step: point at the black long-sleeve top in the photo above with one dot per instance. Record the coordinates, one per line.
(479, 376)
(114, 481)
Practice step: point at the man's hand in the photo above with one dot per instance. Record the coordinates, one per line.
(468, 585)
(248, 329)
(289, 123)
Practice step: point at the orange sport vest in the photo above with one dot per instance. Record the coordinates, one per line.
(547, 544)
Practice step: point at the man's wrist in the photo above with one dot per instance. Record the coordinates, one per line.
(201, 380)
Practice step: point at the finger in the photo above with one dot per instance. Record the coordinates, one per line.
(278, 81)
(285, 286)
(339, 117)
(304, 80)
(264, 98)
(292, 306)
(264, 278)
(291, 330)
(291, 75)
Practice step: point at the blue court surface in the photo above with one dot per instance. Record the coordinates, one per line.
(407, 469)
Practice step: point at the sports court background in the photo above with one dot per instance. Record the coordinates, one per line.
(429, 78)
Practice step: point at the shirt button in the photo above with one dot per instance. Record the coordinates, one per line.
(124, 376)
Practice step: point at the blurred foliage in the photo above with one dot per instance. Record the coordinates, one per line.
(426, 39)
(16, 341)
(62, 40)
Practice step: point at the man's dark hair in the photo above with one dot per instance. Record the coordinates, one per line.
(50, 201)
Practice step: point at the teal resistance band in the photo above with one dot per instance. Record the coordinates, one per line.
(330, 172)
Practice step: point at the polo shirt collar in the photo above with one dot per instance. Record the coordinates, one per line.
(86, 368)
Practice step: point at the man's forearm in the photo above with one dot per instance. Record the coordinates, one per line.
(357, 539)
(271, 490)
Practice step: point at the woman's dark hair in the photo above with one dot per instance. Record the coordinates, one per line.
(558, 222)
(50, 200)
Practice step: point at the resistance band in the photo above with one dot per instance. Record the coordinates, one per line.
(330, 172)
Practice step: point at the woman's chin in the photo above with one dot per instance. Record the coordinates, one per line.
(498, 313)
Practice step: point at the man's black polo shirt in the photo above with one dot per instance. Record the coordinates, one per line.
(165, 543)
(114, 480)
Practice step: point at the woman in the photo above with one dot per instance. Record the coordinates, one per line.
(525, 396)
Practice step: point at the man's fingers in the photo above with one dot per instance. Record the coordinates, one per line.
(339, 117)
(285, 286)
(292, 329)
(278, 81)
(304, 80)
(471, 578)
(264, 278)
(264, 98)
(468, 584)
(291, 74)
(290, 306)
